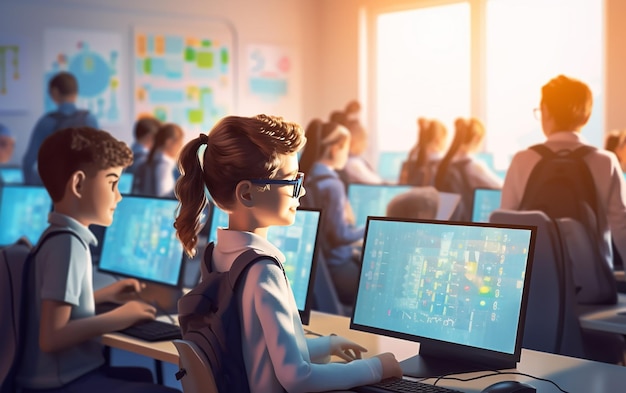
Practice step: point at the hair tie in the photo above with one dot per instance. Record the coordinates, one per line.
(204, 140)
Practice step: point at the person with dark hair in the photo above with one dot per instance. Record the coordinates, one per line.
(63, 89)
(249, 165)
(156, 176)
(144, 132)
(459, 172)
(80, 168)
(326, 152)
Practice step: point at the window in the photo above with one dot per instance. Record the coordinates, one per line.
(483, 58)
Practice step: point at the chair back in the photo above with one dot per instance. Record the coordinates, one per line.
(195, 374)
(552, 323)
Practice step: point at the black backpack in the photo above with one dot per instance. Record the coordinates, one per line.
(561, 186)
(16, 277)
(209, 317)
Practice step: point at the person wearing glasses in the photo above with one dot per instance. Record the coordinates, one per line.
(565, 108)
(326, 152)
(259, 184)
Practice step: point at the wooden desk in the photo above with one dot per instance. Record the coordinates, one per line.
(573, 375)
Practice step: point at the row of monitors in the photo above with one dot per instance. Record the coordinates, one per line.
(141, 242)
(24, 209)
(460, 289)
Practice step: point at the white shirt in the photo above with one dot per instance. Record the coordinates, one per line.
(278, 356)
(607, 176)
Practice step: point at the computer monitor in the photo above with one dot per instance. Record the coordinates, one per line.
(459, 289)
(372, 199)
(390, 164)
(125, 184)
(298, 243)
(141, 242)
(485, 201)
(23, 212)
(11, 175)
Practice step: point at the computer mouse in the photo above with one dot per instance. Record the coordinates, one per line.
(509, 387)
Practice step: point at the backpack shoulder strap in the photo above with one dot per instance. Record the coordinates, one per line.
(543, 150)
(52, 234)
(244, 261)
(582, 151)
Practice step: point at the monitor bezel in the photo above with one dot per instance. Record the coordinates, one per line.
(441, 349)
(181, 267)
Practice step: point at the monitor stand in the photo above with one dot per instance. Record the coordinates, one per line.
(425, 366)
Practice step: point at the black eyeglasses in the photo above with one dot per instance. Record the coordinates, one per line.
(296, 183)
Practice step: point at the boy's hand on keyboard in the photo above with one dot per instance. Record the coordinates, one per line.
(391, 367)
(345, 349)
(132, 312)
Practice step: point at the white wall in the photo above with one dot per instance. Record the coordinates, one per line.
(288, 23)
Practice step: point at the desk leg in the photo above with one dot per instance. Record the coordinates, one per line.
(158, 368)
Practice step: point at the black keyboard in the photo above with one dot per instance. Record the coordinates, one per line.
(153, 331)
(399, 385)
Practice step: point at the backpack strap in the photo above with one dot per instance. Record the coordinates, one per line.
(546, 152)
(27, 278)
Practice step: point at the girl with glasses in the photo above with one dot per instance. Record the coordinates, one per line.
(249, 166)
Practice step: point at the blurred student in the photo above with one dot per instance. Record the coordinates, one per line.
(460, 172)
(259, 183)
(418, 202)
(157, 175)
(63, 89)
(357, 169)
(7, 144)
(326, 151)
(80, 168)
(616, 143)
(144, 132)
(420, 167)
(565, 108)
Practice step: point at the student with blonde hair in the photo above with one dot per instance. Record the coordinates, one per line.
(420, 167)
(460, 172)
(249, 165)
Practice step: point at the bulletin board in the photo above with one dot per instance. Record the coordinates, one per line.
(184, 77)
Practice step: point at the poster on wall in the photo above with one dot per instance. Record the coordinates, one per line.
(13, 75)
(270, 77)
(184, 77)
(94, 58)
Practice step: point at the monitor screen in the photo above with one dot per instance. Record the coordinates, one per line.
(298, 243)
(125, 184)
(459, 289)
(11, 175)
(371, 199)
(485, 201)
(23, 212)
(390, 164)
(141, 242)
